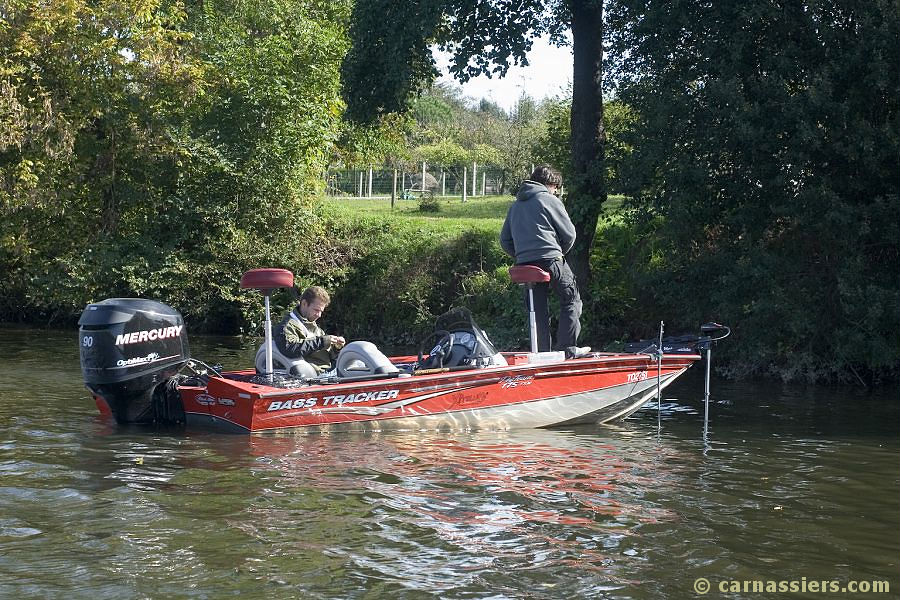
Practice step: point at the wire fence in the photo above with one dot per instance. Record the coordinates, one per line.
(426, 181)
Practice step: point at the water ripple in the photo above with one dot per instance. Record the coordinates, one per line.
(788, 484)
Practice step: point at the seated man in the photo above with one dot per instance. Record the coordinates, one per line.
(298, 335)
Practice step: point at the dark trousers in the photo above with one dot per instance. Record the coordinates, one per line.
(562, 280)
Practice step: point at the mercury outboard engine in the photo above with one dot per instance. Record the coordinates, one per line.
(130, 351)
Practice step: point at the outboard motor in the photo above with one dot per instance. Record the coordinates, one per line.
(130, 350)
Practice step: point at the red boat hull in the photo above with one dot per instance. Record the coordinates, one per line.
(594, 389)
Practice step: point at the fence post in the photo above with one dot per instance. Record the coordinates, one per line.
(394, 190)
(464, 184)
(474, 178)
(423, 177)
(360, 186)
(483, 182)
(370, 181)
(443, 183)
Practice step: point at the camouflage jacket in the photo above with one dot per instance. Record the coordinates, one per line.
(297, 337)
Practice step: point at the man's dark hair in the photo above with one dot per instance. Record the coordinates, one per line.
(315, 292)
(547, 175)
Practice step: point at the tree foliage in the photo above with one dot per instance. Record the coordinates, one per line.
(140, 138)
(390, 63)
(768, 143)
(553, 144)
(443, 152)
(453, 131)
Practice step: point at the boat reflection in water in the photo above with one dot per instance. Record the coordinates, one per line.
(548, 498)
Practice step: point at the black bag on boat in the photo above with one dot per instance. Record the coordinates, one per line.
(459, 341)
(681, 344)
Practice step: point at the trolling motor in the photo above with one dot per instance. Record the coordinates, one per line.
(683, 344)
(709, 333)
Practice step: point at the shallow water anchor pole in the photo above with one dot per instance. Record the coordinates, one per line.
(659, 355)
(709, 333)
(706, 390)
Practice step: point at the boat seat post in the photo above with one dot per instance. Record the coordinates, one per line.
(270, 370)
(267, 281)
(532, 322)
(528, 275)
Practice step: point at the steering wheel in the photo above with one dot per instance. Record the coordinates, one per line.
(444, 344)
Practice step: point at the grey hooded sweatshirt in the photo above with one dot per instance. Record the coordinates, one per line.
(537, 226)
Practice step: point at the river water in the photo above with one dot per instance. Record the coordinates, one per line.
(794, 486)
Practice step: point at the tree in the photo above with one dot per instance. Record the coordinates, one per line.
(766, 154)
(390, 61)
(145, 141)
(552, 146)
(444, 152)
(483, 131)
(87, 92)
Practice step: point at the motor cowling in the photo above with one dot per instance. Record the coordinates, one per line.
(130, 349)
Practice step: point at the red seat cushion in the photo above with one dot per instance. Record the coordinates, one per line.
(267, 279)
(528, 274)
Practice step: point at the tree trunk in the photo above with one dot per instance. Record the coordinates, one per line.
(587, 183)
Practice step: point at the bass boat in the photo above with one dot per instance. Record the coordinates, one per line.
(136, 363)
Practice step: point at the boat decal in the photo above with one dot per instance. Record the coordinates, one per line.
(296, 404)
(416, 399)
(205, 399)
(371, 396)
(447, 386)
(310, 406)
(332, 400)
(411, 413)
(386, 404)
(667, 368)
(348, 410)
(148, 335)
(243, 395)
(153, 357)
(637, 376)
(515, 381)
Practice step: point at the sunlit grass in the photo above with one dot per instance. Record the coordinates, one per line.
(480, 211)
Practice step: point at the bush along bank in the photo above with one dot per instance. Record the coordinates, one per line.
(406, 274)
(390, 276)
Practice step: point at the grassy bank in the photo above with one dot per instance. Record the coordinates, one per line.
(452, 209)
(415, 265)
(391, 272)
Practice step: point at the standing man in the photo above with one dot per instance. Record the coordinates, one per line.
(538, 231)
(299, 336)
